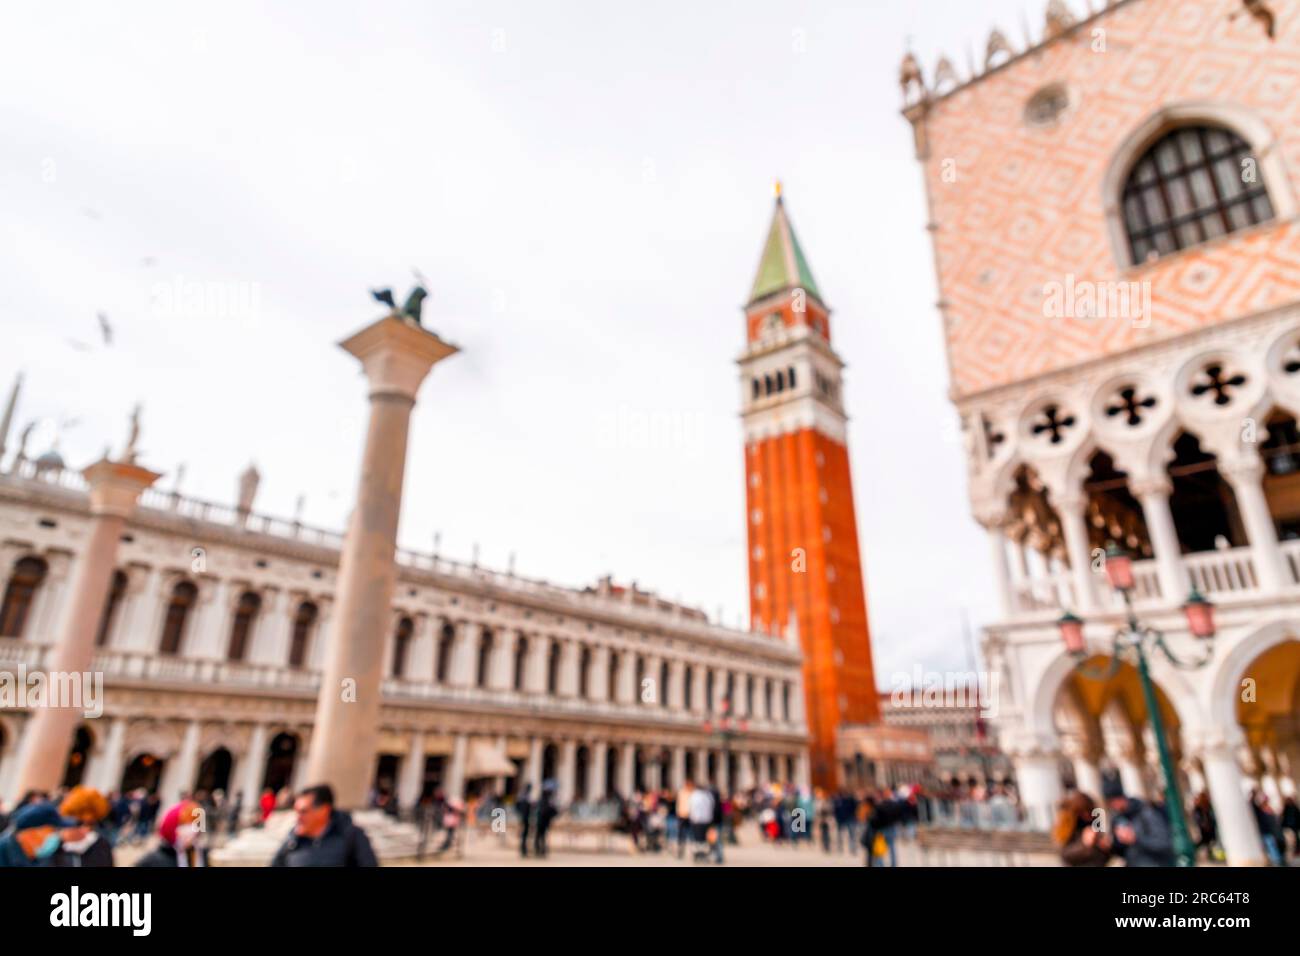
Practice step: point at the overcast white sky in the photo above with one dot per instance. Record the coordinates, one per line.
(587, 187)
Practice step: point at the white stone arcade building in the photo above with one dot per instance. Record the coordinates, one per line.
(1116, 237)
(216, 626)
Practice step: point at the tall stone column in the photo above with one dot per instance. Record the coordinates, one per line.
(502, 656)
(1236, 821)
(106, 773)
(1246, 477)
(596, 771)
(1039, 781)
(1073, 510)
(1154, 496)
(253, 767)
(419, 662)
(412, 780)
(598, 674)
(1001, 569)
(533, 767)
(396, 355)
(179, 774)
(678, 772)
(115, 488)
(626, 770)
(456, 770)
(567, 772)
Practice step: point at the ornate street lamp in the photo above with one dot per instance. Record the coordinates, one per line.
(1135, 641)
(727, 729)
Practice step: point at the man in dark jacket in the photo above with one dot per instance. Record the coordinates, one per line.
(1141, 830)
(323, 836)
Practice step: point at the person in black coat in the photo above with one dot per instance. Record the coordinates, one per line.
(324, 836)
(546, 812)
(524, 807)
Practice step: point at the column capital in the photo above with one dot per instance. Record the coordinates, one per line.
(115, 486)
(1155, 486)
(396, 355)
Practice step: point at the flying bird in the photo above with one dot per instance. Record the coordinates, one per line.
(78, 345)
(385, 296)
(105, 329)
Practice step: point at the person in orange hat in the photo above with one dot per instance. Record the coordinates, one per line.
(86, 843)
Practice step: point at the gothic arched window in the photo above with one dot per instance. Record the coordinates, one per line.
(184, 596)
(27, 576)
(116, 591)
(242, 625)
(1194, 184)
(303, 623)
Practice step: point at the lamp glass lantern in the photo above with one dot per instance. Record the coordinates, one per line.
(1072, 633)
(1199, 611)
(1119, 567)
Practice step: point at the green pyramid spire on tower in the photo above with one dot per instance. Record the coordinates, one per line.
(783, 265)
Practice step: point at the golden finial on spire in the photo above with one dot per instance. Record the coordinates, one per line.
(776, 188)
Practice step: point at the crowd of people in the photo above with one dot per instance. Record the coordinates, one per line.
(1139, 833)
(79, 826)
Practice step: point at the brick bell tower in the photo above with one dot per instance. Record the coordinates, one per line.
(805, 569)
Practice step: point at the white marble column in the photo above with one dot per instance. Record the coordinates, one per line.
(802, 774)
(211, 632)
(533, 767)
(51, 598)
(678, 770)
(1236, 820)
(179, 774)
(567, 679)
(724, 772)
(675, 690)
(254, 767)
(1073, 510)
(411, 783)
(764, 769)
(744, 781)
(1039, 782)
(114, 488)
(419, 664)
(626, 690)
(698, 685)
(539, 651)
(455, 788)
(1154, 496)
(702, 777)
(567, 771)
(464, 652)
(598, 674)
(596, 757)
(1001, 572)
(273, 630)
(9, 760)
(106, 773)
(1246, 477)
(318, 650)
(626, 769)
(140, 608)
(501, 659)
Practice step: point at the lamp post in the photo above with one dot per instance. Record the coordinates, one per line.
(1136, 641)
(727, 729)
